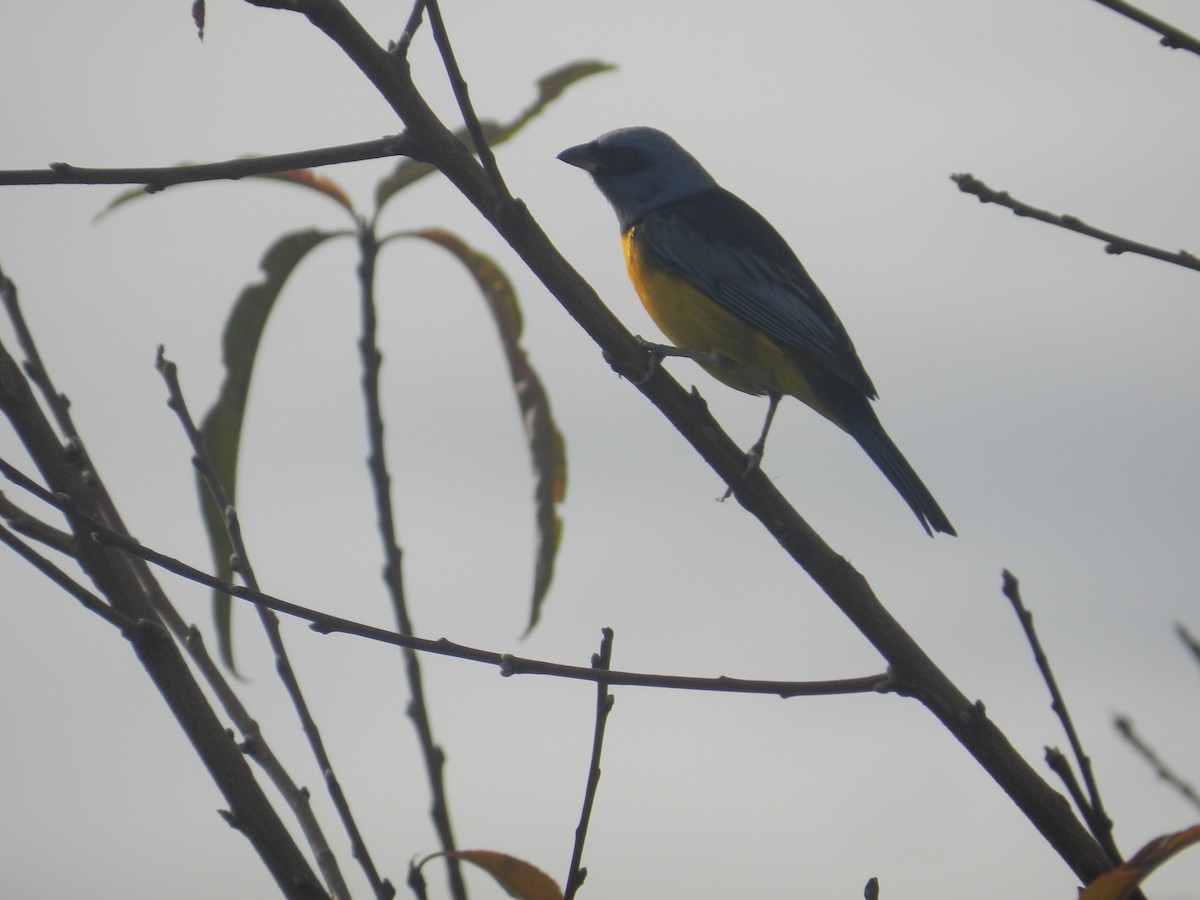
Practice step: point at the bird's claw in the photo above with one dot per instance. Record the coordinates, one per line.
(655, 352)
(753, 462)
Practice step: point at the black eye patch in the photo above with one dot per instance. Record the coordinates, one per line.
(623, 160)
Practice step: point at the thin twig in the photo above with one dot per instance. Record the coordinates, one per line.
(1093, 808)
(459, 85)
(1058, 763)
(188, 636)
(506, 663)
(34, 368)
(89, 600)
(1125, 726)
(270, 622)
(1172, 37)
(1113, 243)
(381, 484)
(1188, 641)
(32, 527)
(410, 29)
(576, 874)
(129, 587)
(156, 178)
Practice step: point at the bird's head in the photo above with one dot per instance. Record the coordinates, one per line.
(638, 170)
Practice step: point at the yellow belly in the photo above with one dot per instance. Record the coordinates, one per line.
(751, 361)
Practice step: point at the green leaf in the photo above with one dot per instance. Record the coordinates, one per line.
(222, 427)
(546, 448)
(550, 87)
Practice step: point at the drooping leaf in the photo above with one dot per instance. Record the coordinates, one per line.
(222, 426)
(546, 447)
(310, 179)
(519, 879)
(120, 200)
(1122, 881)
(303, 177)
(550, 88)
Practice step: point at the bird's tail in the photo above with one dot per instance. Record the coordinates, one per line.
(870, 435)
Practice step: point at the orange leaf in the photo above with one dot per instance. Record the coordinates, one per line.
(1123, 880)
(309, 179)
(518, 878)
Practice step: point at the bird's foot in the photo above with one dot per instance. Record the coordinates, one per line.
(753, 462)
(658, 352)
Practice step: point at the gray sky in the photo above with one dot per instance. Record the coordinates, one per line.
(1043, 390)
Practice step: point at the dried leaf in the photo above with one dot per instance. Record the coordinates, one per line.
(1122, 881)
(546, 447)
(518, 878)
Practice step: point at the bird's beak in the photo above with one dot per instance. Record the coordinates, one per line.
(581, 155)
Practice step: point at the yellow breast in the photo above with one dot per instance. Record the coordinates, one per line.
(691, 320)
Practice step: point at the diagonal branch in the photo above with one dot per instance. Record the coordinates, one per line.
(42, 532)
(1092, 807)
(89, 600)
(1172, 37)
(283, 664)
(916, 673)
(1113, 243)
(127, 588)
(459, 85)
(1165, 773)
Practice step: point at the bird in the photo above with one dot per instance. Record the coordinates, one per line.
(728, 291)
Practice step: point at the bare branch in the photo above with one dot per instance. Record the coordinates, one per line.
(283, 665)
(1092, 808)
(1124, 725)
(1172, 37)
(33, 527)
(381, 480)
(459, 85)
(89, 600)
(126, 586)
(1113, 243)
(325, 623)
(576, 873)
(1190, 642)
(156, 178)
(410, 29)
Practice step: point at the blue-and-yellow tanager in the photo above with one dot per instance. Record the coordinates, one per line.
(728, 291)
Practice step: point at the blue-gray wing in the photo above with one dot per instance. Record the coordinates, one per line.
(727, 250)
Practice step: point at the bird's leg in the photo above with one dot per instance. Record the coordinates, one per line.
(659, 351)
(755, 454)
